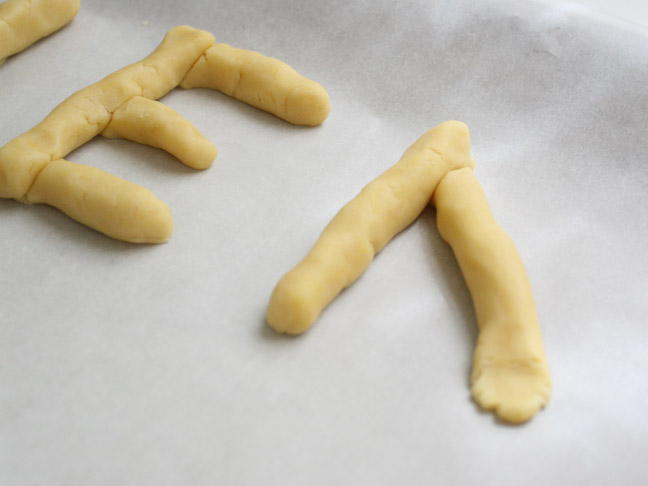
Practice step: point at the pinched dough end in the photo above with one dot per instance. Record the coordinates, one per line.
(515, 390)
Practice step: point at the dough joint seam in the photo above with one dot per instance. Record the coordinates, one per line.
(33, 168)
(510, 373)
(23, 22)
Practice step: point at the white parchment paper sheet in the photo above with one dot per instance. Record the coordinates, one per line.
(138, 365)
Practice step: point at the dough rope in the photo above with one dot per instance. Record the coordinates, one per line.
(122, 105)
(23, 22)
(151, 123)
(262, 82)
(365, 225)
(510, 372)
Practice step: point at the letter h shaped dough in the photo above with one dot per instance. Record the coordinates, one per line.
(33, 169)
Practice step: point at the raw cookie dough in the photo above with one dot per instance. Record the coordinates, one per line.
(151, 123)
(262, 82)
(23, 22)
(510, 372)
(365, 225)
(121, 105)
(114, 206)
(77, 120)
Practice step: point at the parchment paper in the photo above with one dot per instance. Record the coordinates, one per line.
(152, 365)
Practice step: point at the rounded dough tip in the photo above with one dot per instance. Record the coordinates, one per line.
(452, 138)
(208, 156)
(518, 413)
(199, 154)
(160, 224)
(308, 105)
(153, 224)
(182, 28)
(189, 31)
(459, 125)
(453, 128)
(285, 322)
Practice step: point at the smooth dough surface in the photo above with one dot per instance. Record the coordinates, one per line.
(114, 206)
(23, 22)
(87, 112)
(121, 105)
(365, 225)
(510, 372)
(261, 81)
(84, 115)
(151, 123)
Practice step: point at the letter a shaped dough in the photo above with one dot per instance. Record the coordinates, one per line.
(510, 372)
(365, 225)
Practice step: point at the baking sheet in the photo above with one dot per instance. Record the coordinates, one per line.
(131, 365)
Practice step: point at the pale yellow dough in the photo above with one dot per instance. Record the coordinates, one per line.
(365, 225)
(32, 169)
(263, 82)
(77, 120)
(151, 123)
(23, 22)
(510, 372)
(114, 206)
